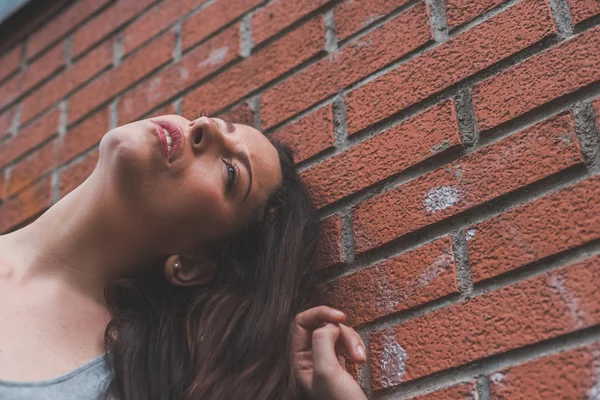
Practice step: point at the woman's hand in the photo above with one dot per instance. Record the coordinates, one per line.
(319, 340)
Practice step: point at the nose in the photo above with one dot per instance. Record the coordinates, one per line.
(206, 132)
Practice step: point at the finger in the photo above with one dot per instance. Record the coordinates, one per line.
(312, 318)
(355, 348)
(325, 361)
(342, 361)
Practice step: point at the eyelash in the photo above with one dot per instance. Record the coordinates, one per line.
(231, 169)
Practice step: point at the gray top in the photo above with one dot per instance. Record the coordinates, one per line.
(86, 382)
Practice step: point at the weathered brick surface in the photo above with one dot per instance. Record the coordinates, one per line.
(250, 74)
(71, 79)
(39, 70)
(60, 25)
(384, 155)
(459, 12)
(330, 250)
(424, 175)
(519, 160)
(398, 37)
(309, 135)
(157, 53)
(569, 375)
(75, 174)
(536, 309)
(513, 30)
(240, 114)
(467, 391)
(536, 230)
(29, 137)
(278, 15)
(26, 204)
(583, 9)
(397, 284)
(10, 62)
(158, 18)
(352, 16)
(31, 167)
(212, 18)
(84, 135)
(106, 23)
(6, 121)
(194, 66)
(538, 80)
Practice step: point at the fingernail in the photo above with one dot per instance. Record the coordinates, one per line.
(191, 123)
(338, 313)
(361, 351)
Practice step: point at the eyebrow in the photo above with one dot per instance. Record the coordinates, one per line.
(243, 156)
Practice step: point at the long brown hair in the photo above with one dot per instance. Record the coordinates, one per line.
(229, 339)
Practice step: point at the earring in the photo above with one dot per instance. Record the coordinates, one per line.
(176, 267)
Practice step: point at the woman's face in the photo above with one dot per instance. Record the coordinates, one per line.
(215, 178)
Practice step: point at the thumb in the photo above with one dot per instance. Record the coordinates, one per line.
(325, 360)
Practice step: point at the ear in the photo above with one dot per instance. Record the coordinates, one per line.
(183, 270)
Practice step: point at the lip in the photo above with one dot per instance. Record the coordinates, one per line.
(176, 134)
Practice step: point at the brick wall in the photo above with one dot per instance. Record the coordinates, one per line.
(452, 147)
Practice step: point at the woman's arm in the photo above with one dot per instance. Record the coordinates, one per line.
(318, 341)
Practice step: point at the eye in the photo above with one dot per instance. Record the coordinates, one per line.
(232, 174)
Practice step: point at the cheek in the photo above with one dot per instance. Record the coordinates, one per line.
(202, 210)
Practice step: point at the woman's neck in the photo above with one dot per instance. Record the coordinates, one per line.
(82, 240)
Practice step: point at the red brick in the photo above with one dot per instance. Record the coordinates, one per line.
(258, 70)
(16, 31)
(552, 224)
(348, 65)
(280, 14)
(31, 167)
(75, 174)
(569, 375)
(37, 71)
(212, 18)
(459, 12)
(515, 162)
(84, 135)
(467, 391)
(330, 248)
(466, 54)
(554, 73)
(61, 24)
(2, 182)
(6, 120)
(384, 155)
(158, 18)
(528, 312)
(106, 23)
(397, 284)
(353, 15)
(169, 109)
(29, 137)
(44, 66)
(202, 61)
(583, 9)
(134, 68)
(309, 135)
(10, 62)
(54, 90)
(26, 204)
(240, 114)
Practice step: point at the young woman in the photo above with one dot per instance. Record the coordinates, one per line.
(181, 268)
